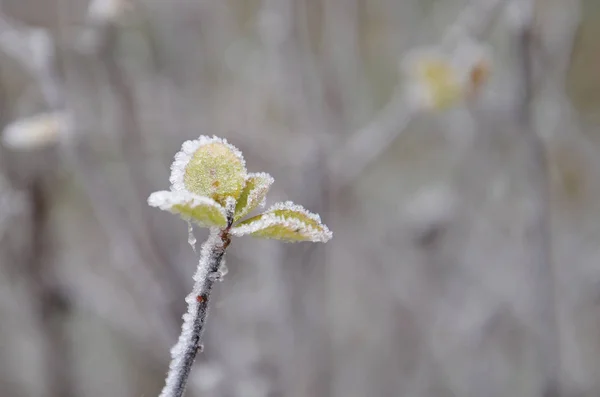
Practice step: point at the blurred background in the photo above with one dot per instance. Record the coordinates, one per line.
(455, 269)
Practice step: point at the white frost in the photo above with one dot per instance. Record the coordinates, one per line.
(290, 206)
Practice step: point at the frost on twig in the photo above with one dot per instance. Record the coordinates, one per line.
(211, 187)
(189, 343)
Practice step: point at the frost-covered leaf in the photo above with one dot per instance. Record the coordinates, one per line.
(253, 195)
(209, 167)
(191, 207)
(36, 132)
(287, 222)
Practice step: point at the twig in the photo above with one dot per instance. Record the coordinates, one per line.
(189, 344)
(367, 144)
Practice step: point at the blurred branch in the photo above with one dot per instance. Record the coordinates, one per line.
(50, 299)
(539, 236)
(368, 143)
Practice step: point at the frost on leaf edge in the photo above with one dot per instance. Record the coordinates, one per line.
(290, 206)
(264, 221)
(266, 182)
(268, 218)
(183, 157)
(166, 200)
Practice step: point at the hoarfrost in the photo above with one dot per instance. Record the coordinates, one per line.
(290, 206)
(189, 340)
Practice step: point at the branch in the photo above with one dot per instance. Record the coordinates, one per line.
(369, 142)
(540, 238)
(189, 344)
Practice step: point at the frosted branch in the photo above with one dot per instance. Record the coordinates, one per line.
(189, 344)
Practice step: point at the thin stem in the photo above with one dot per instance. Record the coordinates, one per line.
(189, 344)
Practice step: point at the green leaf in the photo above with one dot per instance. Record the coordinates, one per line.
(203, 211)
(209, 167)
(253, 195)
(286, 222)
